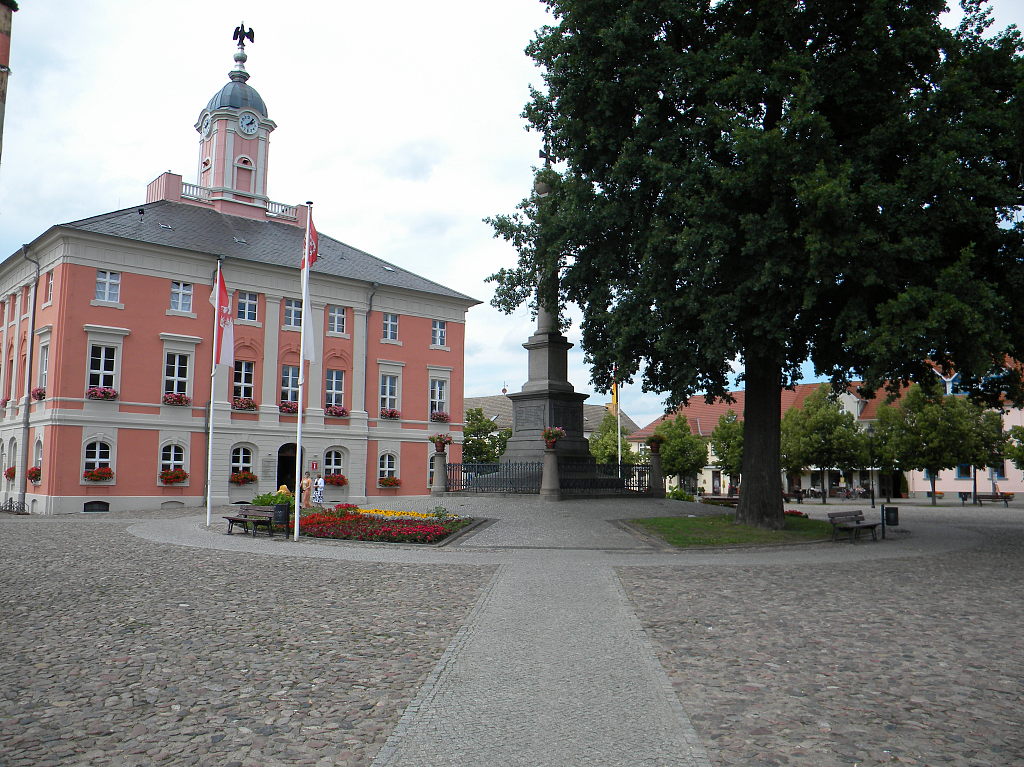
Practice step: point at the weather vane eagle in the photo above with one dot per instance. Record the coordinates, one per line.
(242, 34)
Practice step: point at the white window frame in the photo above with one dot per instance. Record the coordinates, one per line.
(387, 465)
(389, 328)
(337, 322)
(108, 289)
(182, 345)
(439, 334)
(96, 374)
(49, 289)
(334, 387)
(293, 313)
(104, 335)
(389, 395)
(289, 383)
(248, 304)
(176, 459)
(241, 458)
(44, 365)
(247, 368)
(181, 297)
(37, 454)
(334, 461)
(438, 386)
(95, 462)
(177, 372)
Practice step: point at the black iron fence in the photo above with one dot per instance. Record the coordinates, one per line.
(494, 477)
(585, 478)
(11, 506)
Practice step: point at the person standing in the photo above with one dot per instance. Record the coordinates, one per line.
(318, 491)
(306, 486)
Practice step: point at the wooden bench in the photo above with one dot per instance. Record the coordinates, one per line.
(852, 522)
(721, 500)
(793, 495)
(996, 497)
(250, 518)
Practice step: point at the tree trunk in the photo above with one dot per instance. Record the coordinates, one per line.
(761, 500)
(933, 487)
(824, 485)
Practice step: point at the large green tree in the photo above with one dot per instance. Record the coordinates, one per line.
(775, 182)
(483, 441)
(727, 444)
(683, 454)
(604, 443)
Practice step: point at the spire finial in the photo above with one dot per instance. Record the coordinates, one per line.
(241, 35)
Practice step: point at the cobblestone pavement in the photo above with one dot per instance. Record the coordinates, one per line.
(137, 640)
(121, 652)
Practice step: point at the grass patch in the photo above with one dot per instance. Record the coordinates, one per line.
(722, 530)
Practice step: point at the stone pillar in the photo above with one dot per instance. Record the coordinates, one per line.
(440, 465)
(657, 479)
(550, 484)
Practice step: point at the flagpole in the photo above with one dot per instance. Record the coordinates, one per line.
(618, 414)
(209, 420)
(305, 269)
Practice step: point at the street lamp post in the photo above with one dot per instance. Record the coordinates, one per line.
(871, 461)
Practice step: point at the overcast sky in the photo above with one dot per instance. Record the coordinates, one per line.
(400, 120)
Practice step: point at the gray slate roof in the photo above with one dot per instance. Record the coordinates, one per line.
(203, 230)
(499, 409)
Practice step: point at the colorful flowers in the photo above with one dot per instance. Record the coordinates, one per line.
(338, 480)
(101, 474)
(390, 412)
(795, 513)
(101, 392)
(552, 433)
(288, 407)
(440, 440)
(439, 416)
(34, 473)
(170, 398)
(363, 527)
(243, 403)
(242, 478)
(173, 476)
(336, 411)
(10, 472)
(389, 482)
(38, 393)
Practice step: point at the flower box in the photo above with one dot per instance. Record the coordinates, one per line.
(102, 474)
(173, 476)
(338, 480)
(101, 393)
(440, 416)
(34, 474)
(243, 403)
(389, 482)
(440, 440)
(336, 411)
(10, 472)
(242, 478)
(179, 400)
(289, 407)
(390, 413)
(38, 393)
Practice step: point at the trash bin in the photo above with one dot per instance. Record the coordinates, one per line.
(281, 513)
(892, 515)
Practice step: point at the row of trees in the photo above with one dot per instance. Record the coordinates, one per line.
(921, 432)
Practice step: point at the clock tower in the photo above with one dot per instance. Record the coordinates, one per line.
(234, 137)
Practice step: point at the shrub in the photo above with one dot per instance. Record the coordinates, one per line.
(272, 499)
(678, 494)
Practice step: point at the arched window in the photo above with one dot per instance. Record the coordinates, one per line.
(37, 455)
(334, 463)
(97, 455)
(387, 465)
(241, 459)
(172, 457)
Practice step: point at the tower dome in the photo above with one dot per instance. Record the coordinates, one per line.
(238, 94)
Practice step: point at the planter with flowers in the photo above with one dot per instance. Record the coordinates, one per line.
(439, 416)
(243, 403)
(338, 480)
(179, 400)
(390, 413)
(441, 441)
(173, 476)
(4, 401)
(389, 482)
(34, 474)
(38, 393)
(655, 441)
(288, 407)
(102, 474)
(551, 435)
(101, 393)
(10, 472)
(336, 411)
(242, 478)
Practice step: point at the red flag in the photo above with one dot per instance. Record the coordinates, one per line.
(309, 253)
(224, 324)
(312, 245)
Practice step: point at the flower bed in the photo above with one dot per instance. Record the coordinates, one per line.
(336, 411)
(101, 392)
(176, 399)
(356, 526)
(795, 513)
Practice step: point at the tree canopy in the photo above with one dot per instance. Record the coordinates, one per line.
(604, 443)
(727, 444)
(483, 441)
(683, 454)
(777, 182)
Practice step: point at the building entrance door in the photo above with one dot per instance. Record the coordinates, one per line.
(286, 465)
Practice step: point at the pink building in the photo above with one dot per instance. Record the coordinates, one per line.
(117, 306)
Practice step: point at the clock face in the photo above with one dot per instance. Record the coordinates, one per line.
(248, 123)
(206, 126)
